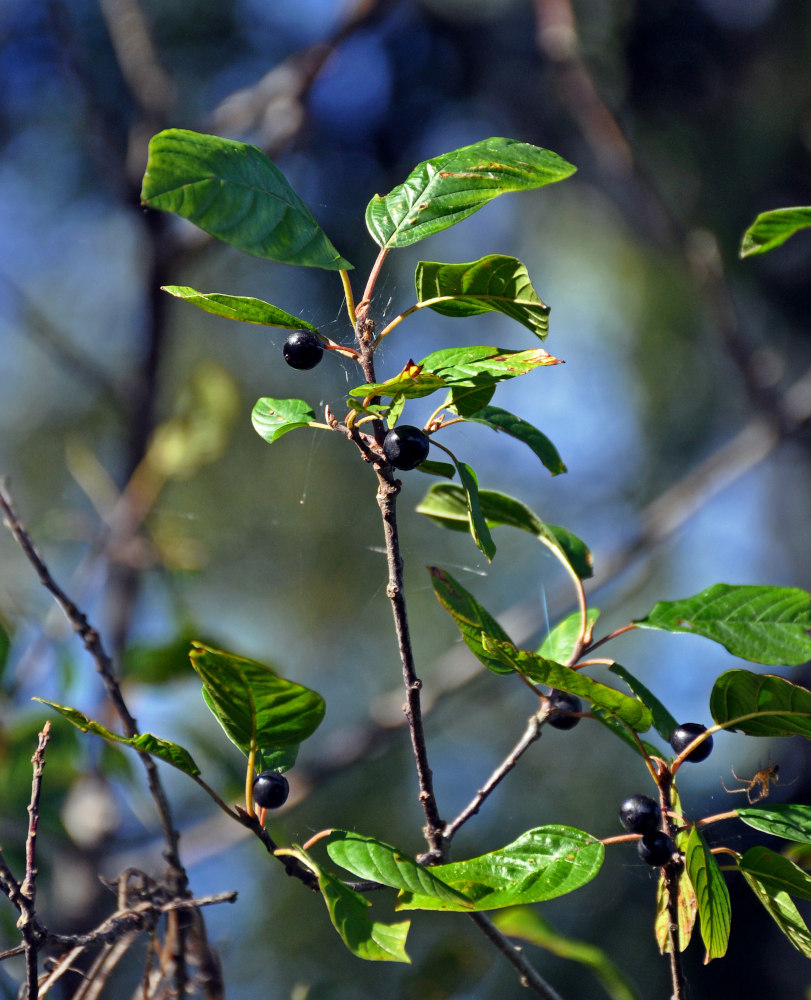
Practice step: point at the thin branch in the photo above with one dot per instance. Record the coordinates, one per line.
(529, 976)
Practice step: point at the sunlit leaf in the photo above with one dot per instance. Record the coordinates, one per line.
(500, 420)
(761, 704)
(495, 283)
(481, 366)
(233, 191)
(165, 750)
(471, 618)
(255, 707)
(780, 907)
(478, 524)
(663, 721)
(764, 624)
(791, 821)
(776, 873)
(271, 418)
(411, 383)
(369, 858)
(712, 895)
(560, 643)
(446, 189)
(543, 863)
(770, 229)
(239, 307)
(686, 899)
(527, 924)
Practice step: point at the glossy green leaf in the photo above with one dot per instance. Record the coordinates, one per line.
(477, 523)
(349, 912)
(776, 873)
(446, 189)
(481, 366)
(495, 283)
(560, 643)
(527, 924)
(372, 859)
(445, 504)
(256, 708)
(467, 399)
(761, 704)
(239, 307)
(541, 671)
(770, 229)
(471, 618)
(432, 468)
(663, 721)
(712, 895)
(792, 821)
(781, 908)
(764, 624)
(235, 193)
(164, 750)
(411, 383)
(543, 863)
(500, 420)
(271, 418)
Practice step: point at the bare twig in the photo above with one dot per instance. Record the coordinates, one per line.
(529, 976)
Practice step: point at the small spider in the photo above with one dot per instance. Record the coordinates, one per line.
(757, 787)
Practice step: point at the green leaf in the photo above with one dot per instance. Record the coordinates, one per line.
(770, 229)
(543, 863)
(256, 708)
(233, 191)
(528, 925)
(500, 420)
(761, 704)
(481, 366)
(165, 750)
(273, 417)
(776, 873)
(493, 284)
(446, 189)
(764, 624)
(687, 904)
(239, 307)
(541, 671)
(411, 383)
(712, 895)
(622, 732)
(663, 721)
(369, 858)
(438, 469)
(560, 643)
(478, 525)
(445, 504)
(788, 820)
(780, 907)
(467, 399)
(471, 618)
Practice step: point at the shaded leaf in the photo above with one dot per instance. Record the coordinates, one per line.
(556, 675)
(712, 895)
(508, 423)
(761, 704)
(663, 721)
(495, 283)
(541, 864)
(618, 729)
(780, 907)
(165, 750)
(271, 418)
(438, 469)
(369, 858)
(255, 707)
(788, 820)
(527, 923)
(471, 618)
(775, 872)
(687, 903)
(770, 229)
(478, 525)
(764, 624)
(446, 189)
(239, 307)
(233, 191)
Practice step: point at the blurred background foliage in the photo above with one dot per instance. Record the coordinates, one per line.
(682, 413)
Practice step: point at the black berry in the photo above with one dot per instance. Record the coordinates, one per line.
(270, 790)
(640, 814)
(682, 737)
(406, 447)
(303, 350)
(656, 848)
(562, 704)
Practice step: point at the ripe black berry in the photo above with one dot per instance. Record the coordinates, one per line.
(270, 790)
(682, 737)
(640, 814)
(562, 703)
(303, 350)
(406, 447)
(656, 848)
